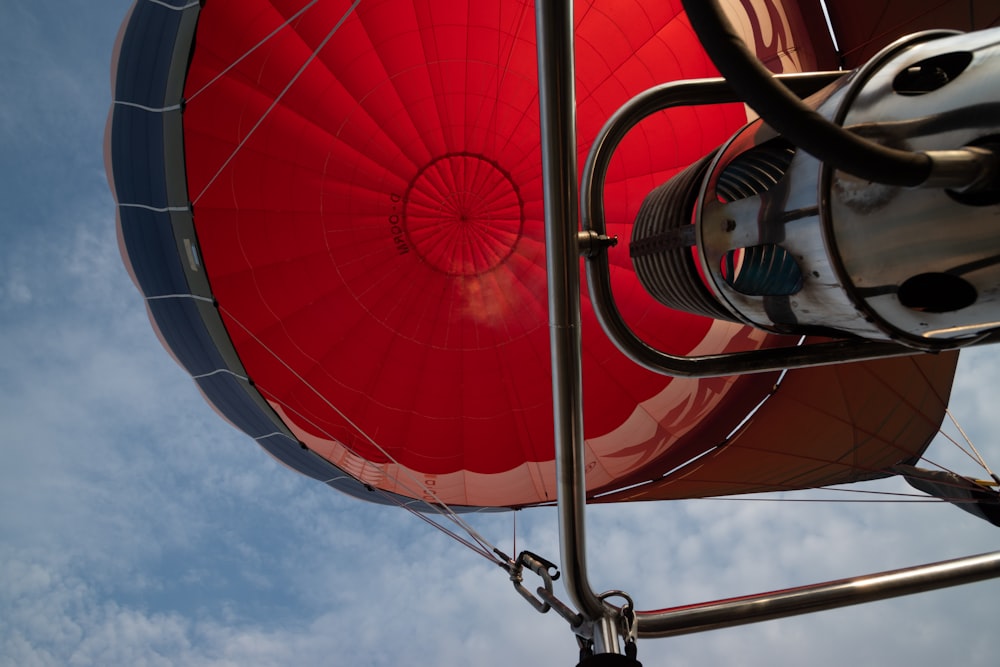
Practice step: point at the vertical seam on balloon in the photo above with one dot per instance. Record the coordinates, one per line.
(390, 80)
(500, 80)
(278, 98)
(506, 65)
(788, 484)
(434, 77)
(614, 69)
(305, 419)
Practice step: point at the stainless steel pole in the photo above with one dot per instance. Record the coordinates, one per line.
(817, 597)
(557, 100)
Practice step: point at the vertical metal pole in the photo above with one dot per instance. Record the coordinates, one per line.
(606, 635)
(557, 100)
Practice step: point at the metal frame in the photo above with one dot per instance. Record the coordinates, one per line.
(690, 93)
(564, 242)
(595, 241)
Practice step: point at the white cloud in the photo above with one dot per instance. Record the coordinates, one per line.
(15, 288)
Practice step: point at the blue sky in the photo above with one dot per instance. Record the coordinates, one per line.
(137, 528)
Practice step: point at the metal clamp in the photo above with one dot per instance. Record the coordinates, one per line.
(628, 628)
(542, 568)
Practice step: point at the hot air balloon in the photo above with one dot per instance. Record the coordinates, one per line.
(336, 213)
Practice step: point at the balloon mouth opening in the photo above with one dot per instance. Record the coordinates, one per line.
(463, 214)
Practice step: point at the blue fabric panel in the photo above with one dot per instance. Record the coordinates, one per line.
(137, 157)
(147, 48)
(290, 452)
(184, 332)
(352, 487)
(149, 242)
(228, 394)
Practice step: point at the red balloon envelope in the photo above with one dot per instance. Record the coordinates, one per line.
(362, 263)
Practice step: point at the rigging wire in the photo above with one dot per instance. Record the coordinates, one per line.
(420, 494)
(277, 99)
(475, 546)
(248, 52)
(477, 543)
(978, 457)
(893, 496)
(916, 498)
(484, 547)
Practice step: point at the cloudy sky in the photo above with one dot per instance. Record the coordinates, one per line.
(136, 528)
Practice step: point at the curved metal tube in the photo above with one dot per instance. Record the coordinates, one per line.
(786, 113)
(659, 98)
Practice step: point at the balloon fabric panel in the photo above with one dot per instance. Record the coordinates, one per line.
(367, 205)
(367, 194)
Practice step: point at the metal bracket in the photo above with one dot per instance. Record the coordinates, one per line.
(539, 566)
(592, 244)
(548, 572)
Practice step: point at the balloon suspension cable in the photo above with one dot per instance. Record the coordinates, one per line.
(419, 492)
(477, 543)
(975, 452)
(246, 54)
